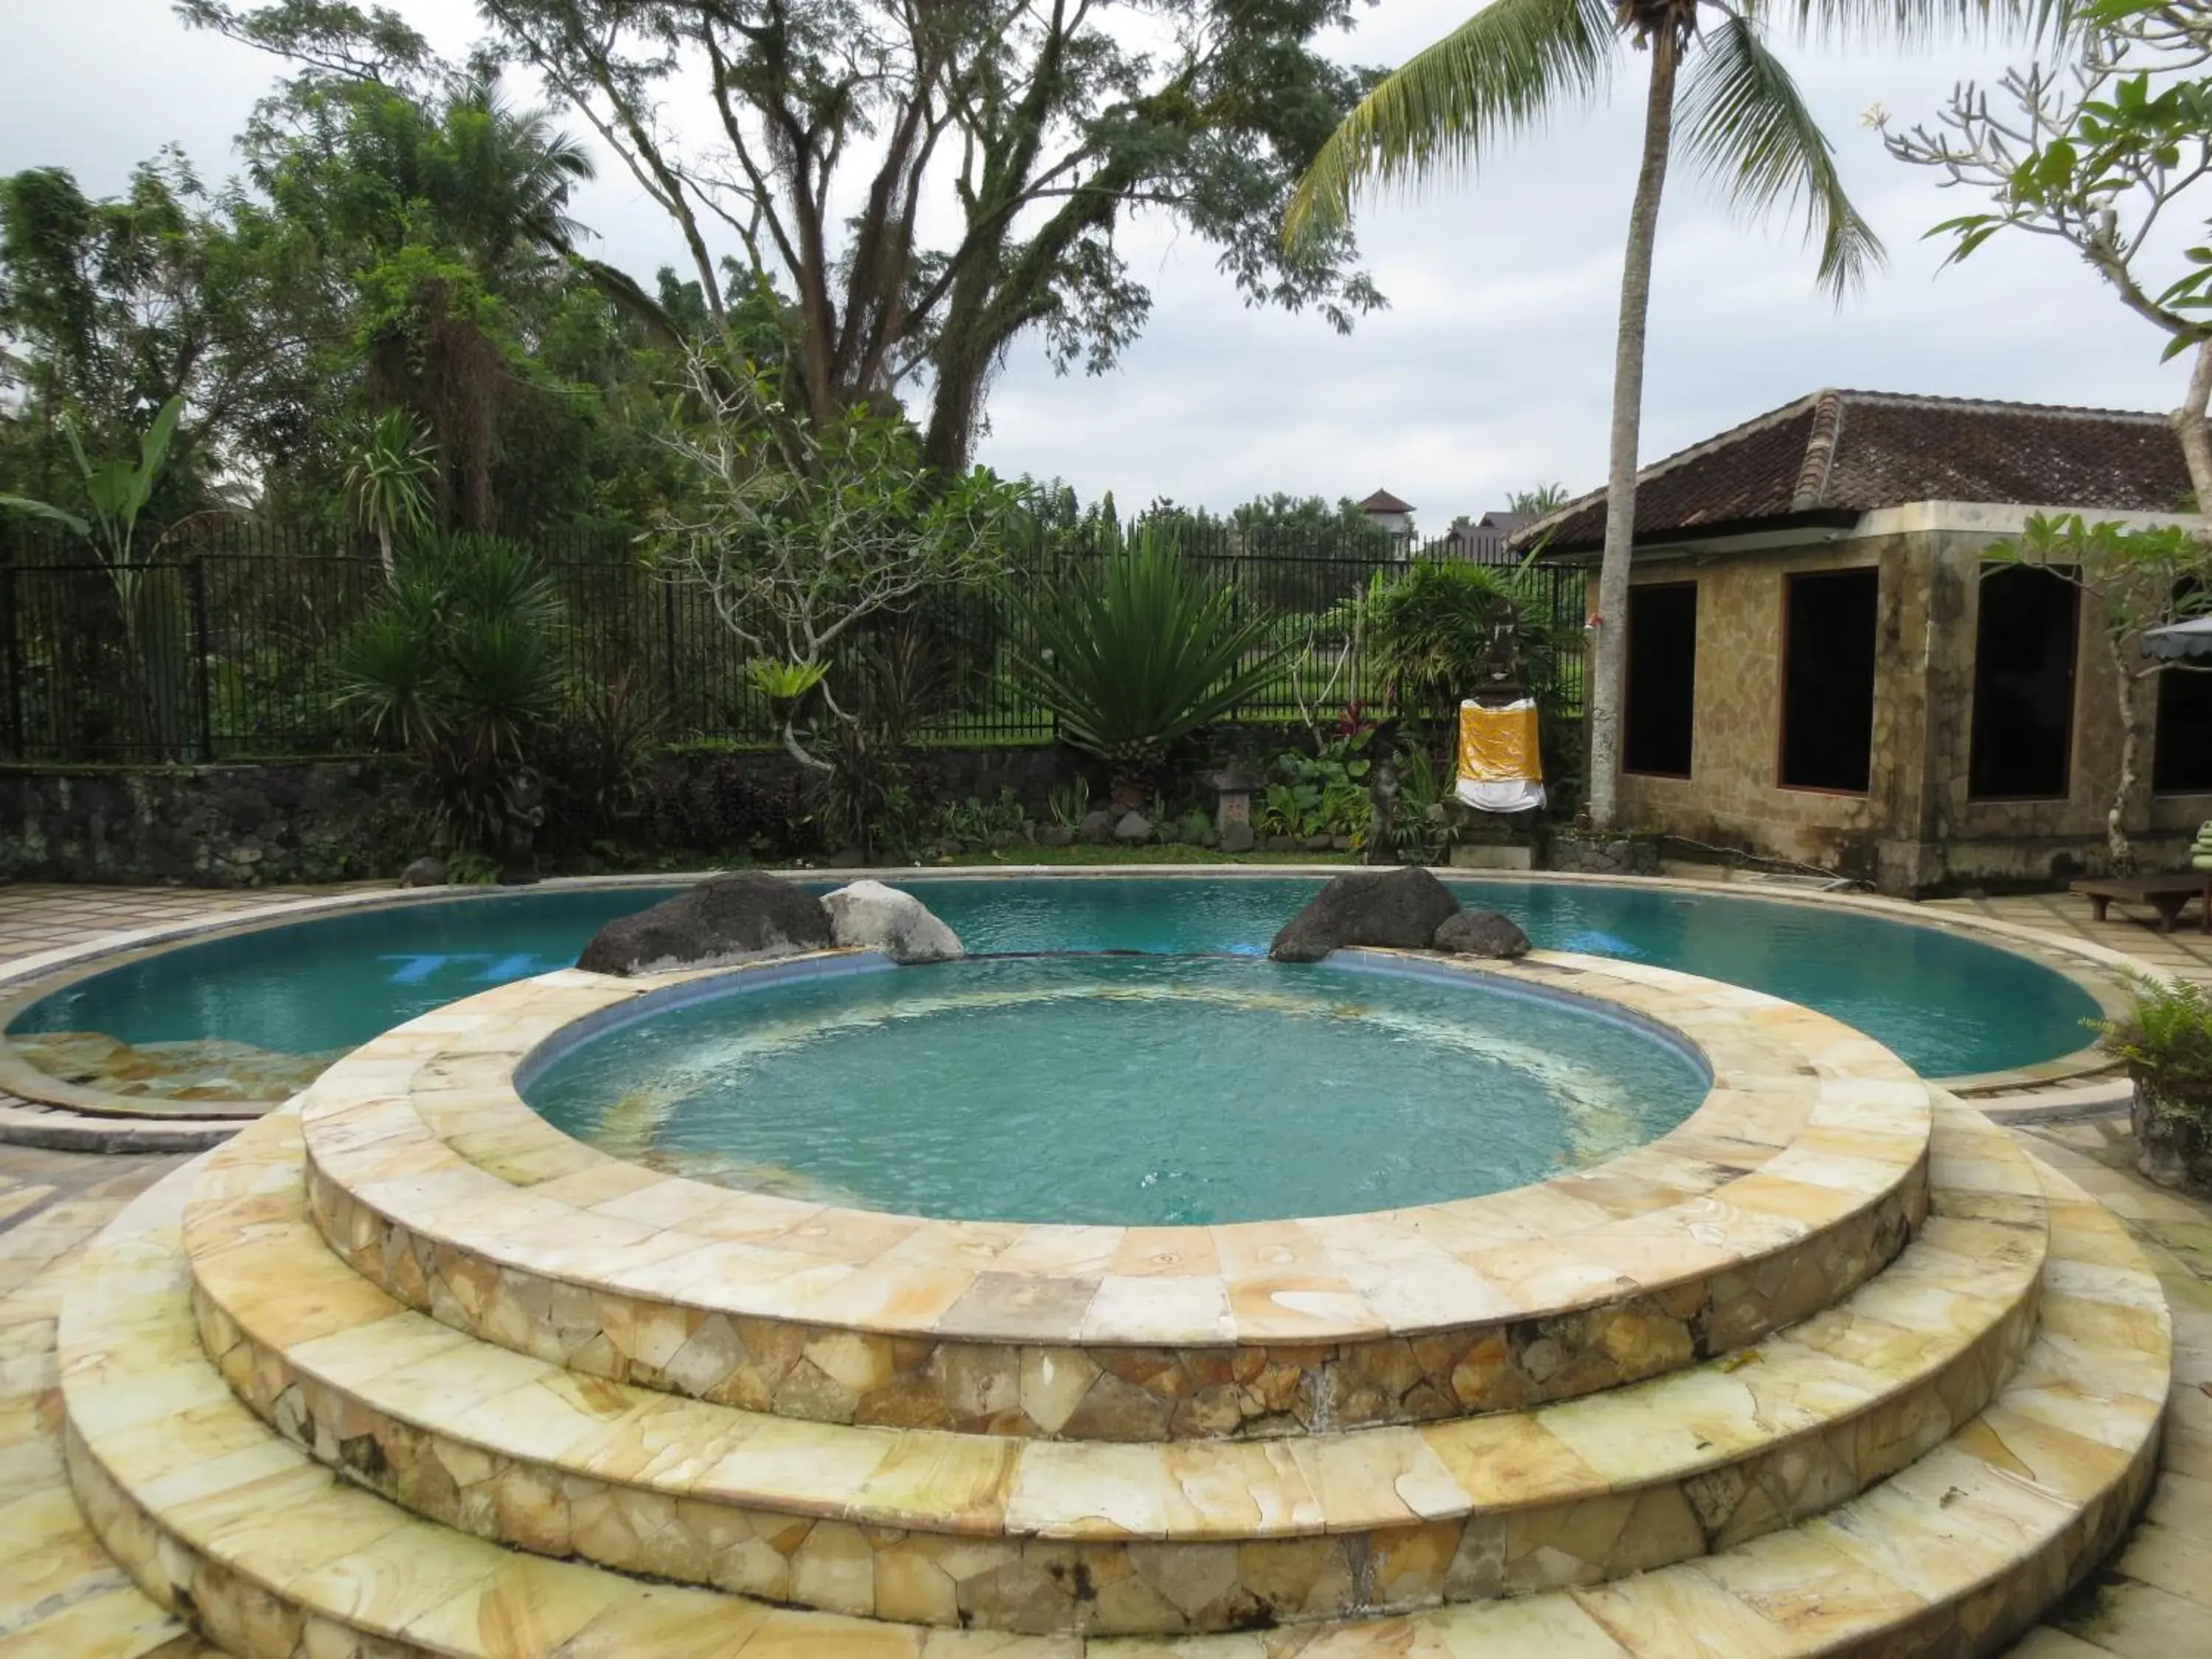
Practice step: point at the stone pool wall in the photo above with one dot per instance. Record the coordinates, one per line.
(212, 826)
(252, 825)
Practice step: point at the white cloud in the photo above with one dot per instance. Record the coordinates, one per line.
(1492, 370)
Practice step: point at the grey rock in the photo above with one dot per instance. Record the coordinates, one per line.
(847, 857)
(725, 920)
(1055, 834)
(1237, 838)
(1280, 844)
(424, 873)
(1480, 934)
(867, 915)
(1320, 841)
(1339, 843)
(1399, 909)
(1097, 829)
(1134, 827)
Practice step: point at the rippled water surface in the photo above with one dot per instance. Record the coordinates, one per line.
(1946, 1004)
(1130, 1090)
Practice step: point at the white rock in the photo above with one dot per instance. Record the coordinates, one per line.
(869, 916)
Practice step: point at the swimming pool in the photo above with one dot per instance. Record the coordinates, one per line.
(1126, 1090)
(1948, 1004)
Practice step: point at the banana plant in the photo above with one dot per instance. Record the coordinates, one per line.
(115, 493)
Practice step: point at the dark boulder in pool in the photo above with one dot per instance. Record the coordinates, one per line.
(1480, 934)
(1399, 909)
(727, 918)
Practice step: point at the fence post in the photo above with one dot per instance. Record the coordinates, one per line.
(668, 646)
(10, 604)
(200, 650)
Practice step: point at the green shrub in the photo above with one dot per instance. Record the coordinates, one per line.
(457, 661)
(2166, 1041)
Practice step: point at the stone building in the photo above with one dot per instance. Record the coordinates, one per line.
(1823, 664)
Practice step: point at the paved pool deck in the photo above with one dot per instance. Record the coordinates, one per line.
(61, 1598)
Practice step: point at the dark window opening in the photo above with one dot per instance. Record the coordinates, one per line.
(2181, 761)
(1828, 632)
(1662, 679)
(2024, 644)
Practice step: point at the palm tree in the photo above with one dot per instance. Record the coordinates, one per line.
(1516, 63)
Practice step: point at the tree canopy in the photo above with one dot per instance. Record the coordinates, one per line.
(918, 187)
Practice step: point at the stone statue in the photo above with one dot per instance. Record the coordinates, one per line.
(1382, 820)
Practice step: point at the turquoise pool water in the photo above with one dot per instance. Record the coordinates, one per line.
(1136, 1091)
(1947, 1005)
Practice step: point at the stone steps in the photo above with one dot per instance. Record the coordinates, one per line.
(275, 1557)
(934, 1527)
(1801, 1175)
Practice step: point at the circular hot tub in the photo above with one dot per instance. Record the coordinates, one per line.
(1121, 1089)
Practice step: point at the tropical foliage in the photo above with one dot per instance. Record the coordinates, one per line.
(803, 536)
(1032, 134)
(115, 493)
(1436, 631)
(458, 664)
(1715, 89)
(1132, 650)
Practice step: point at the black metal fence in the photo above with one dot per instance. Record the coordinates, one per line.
(226, 647)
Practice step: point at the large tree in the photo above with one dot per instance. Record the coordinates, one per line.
(921, 184)
(111, 307)
(1714, 85)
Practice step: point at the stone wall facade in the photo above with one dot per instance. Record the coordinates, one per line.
(1914, 829)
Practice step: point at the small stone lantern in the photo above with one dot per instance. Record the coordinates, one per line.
(1233, 785)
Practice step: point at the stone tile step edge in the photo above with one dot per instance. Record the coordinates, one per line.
(516, 1450)
(57, 1128)
(1649, 1262)
(272, 1556)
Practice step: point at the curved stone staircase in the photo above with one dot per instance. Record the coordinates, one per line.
(308, 1441)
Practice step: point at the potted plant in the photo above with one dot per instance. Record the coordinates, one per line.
(2166, 1041)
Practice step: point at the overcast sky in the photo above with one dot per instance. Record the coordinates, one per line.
(1490, 372)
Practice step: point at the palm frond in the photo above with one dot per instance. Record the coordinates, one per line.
(1746, 124)
(1906, 22)
(1505, 70)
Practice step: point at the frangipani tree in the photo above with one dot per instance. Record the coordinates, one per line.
(1715, 89)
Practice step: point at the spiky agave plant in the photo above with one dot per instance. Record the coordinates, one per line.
(1135, 650)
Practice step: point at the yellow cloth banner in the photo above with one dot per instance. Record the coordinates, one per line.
(1500, 745)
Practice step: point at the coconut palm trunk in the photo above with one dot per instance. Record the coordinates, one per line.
(1609, 692)
(1718, 92)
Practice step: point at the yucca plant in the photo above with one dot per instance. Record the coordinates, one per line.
(388, 484)
(458, 663)
(1135, 650)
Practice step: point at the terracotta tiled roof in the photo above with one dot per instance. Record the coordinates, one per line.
(1831, 456)
(1383, 502)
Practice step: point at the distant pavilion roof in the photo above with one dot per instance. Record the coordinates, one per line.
(1835, 454)
(1383, 502)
